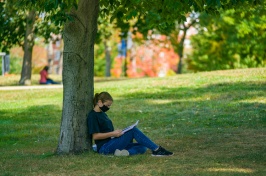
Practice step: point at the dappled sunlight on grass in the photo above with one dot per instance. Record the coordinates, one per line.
(254, 100)
(158, 101)
(232, 170)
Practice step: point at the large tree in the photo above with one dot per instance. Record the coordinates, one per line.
(28, 47)
(105, 39)
(79, 34)
(78, 61)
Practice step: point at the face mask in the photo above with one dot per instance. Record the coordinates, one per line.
(104, 108)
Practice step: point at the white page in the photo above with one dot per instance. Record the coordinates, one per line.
(130, 127)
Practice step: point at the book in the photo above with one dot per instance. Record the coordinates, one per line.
(130, 127)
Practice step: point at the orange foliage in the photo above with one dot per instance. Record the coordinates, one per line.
(155, 58)
(117, 70)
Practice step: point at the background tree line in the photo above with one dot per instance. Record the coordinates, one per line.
(235, 39)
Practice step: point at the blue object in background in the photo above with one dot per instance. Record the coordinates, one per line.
(122, 48)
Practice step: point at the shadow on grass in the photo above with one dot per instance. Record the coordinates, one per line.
(36, 123)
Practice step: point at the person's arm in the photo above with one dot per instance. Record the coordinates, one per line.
(99, 136)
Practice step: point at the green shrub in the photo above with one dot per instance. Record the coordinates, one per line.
(15, 65)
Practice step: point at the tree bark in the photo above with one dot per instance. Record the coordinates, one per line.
(78, 65)
(28, 47)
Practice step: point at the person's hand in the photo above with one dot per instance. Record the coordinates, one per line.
(117, 133)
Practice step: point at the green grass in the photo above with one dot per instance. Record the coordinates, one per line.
(214, 122)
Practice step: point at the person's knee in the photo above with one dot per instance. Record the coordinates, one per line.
(142, 149)
(135, 129)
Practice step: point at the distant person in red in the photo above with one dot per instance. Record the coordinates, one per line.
(44, 77)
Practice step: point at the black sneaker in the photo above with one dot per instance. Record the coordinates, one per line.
(161, 152)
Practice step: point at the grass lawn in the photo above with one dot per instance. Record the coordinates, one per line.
(214, 122)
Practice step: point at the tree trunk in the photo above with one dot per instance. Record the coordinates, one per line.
(78, 64)
(180, 51)
(108, 60)
(28, 47)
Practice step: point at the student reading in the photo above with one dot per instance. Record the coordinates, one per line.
(110, 141)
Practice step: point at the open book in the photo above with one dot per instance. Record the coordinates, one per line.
(130, 127)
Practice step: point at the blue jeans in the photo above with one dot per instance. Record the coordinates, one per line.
(50, 81)
(126, 142)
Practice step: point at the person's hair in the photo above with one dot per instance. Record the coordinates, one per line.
(46, 68)
(103, 96)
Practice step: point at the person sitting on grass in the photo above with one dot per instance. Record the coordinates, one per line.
(44, 77)
(110, 141)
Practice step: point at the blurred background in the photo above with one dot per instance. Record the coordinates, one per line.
(234, 39)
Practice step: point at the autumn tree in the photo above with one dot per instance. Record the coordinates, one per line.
(178, 36)
(108, 36)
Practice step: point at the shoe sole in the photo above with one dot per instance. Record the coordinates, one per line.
(162, 155)
(121, 153)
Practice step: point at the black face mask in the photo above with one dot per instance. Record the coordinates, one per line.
(104, 108)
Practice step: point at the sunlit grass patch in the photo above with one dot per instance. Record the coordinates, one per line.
(231, 170)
